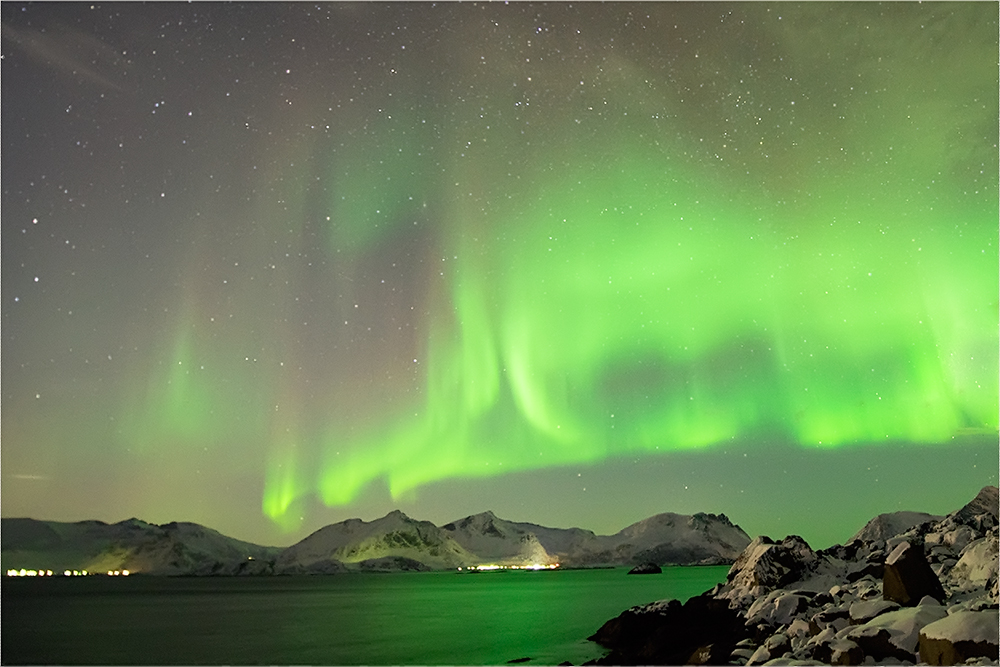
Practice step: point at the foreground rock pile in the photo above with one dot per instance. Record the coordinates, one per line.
(926, 595)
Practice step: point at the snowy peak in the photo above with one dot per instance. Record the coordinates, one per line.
(982, 510)
(664, 538)
(678, 538)
(484, 523)
(494, 540)
(394, 536)
(394, 541)
(890, 524)
(980, 513)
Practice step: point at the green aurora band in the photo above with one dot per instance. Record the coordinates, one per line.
(628, 301)
(605, 282)
(622, 322)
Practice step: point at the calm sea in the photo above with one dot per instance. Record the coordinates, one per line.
(437, 618)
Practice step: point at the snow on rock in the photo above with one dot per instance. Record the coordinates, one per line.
(983, 511)
(866, 602)
(961, 636)
(895, 633)
(886, 526)
(974, 626)
(978, 565)
(865, 610)
(765, 565)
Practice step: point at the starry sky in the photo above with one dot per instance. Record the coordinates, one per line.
(269, 266)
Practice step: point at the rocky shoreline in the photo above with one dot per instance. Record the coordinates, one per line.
(927, 594)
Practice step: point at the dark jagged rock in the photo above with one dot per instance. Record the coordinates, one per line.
(646, 568)
(668, 633)
(875, 569)
(908, 577)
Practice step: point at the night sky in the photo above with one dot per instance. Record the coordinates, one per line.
(270, 266)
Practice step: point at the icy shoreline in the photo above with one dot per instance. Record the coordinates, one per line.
(927, 594)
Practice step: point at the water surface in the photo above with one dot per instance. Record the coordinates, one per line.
(436, 618)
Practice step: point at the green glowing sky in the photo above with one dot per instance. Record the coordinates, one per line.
(267, 269)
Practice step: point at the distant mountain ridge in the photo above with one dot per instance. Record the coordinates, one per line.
(170, 549)
(393, 542)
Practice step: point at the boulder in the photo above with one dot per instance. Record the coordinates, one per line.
(845, 652)
(908, 576)
(800, 627)
(646, 568)
(765, 565)
(895, 634)
(865, 610)
(978, 566)
(777, 644)
(960, 636)
(777, 608)
(703, 630)
(760, 656)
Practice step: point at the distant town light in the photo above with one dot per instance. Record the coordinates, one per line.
(492, 567)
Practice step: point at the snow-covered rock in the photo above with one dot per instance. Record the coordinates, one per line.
(960, 636)
(978, 566)
(895, 633)
(765, 565)
(865, 610)
(842, 605)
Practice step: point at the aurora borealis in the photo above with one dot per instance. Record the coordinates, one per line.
(270, 266)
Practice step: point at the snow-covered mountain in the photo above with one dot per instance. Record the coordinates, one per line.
(394, 542)
(677, 538)
(360, 543)
(493, 539)
(891, 524)
(134, 545)
(662, 539)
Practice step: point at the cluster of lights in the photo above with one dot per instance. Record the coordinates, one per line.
(66, 573)
(490, 568)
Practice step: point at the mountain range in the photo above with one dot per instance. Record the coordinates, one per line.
(393, 542)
